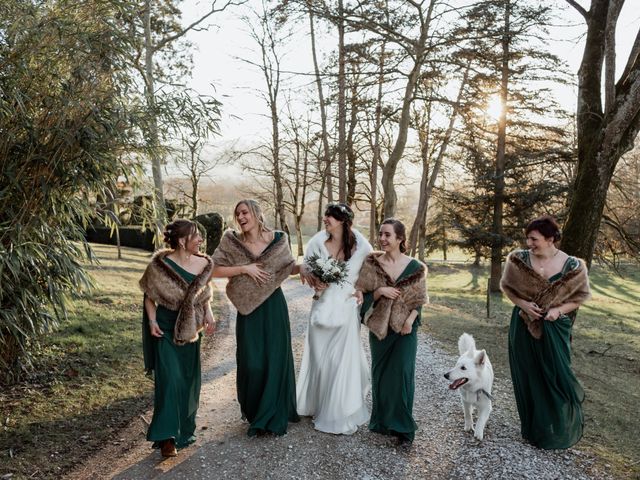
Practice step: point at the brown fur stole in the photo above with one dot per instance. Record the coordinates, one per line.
(388, 313)
(166, 287)
(522, 281)
(245, 294)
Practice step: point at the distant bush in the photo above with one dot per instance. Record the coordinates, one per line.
(214, 225)
(132, 236)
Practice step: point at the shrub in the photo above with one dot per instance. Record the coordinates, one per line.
(214, 225)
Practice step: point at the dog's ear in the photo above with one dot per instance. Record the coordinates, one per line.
(481, 357)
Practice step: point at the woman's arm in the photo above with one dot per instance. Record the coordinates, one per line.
(209, 321)
(408, 323)
(253, 270)
(151, 308)
(228, 272)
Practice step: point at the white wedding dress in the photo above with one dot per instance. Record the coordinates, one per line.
(334, 378)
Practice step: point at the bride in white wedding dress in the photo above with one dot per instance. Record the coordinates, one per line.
(334, 377)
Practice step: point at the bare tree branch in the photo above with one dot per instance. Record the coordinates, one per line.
(579, 8)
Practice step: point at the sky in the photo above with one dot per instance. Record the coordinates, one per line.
(220, 71)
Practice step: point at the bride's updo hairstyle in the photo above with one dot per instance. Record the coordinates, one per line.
(547, 226)
(400, 231)
(344, 214)
(179, 229)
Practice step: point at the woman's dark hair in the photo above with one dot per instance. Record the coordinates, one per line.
(546, 225)
(177, 230)
(344, 214)
(400, 231)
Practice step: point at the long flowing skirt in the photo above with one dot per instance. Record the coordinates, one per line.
(334, 378)
(548, 394)
(177, 385)
(265, 376)
(393, 368)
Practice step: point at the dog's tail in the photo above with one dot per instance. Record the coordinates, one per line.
(466, 343)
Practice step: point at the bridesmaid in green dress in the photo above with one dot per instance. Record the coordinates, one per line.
(257, 260)
(548, 395)
(176, 278)
(393, 357)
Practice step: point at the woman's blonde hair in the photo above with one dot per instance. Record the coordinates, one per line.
(256, 211)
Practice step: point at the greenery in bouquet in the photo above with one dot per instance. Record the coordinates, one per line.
(328, 270)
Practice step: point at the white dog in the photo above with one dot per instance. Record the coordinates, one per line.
(473, 375)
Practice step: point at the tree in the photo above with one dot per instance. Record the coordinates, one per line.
(65, 126)
(386, 24)
(301, 147)
(197, 128)
(430, 176)
(159, 60)
(326, 150)
(269, 37)
(604, 133)
(499, 184)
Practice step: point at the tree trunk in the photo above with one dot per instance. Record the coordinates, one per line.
(326, 151)
(152, 134)
(342, 109)
(389, 170)
(195, 180)
(603, 137)
(351, 152)
(498, 190)
(373, 212)
(277, 175)
(428, 181)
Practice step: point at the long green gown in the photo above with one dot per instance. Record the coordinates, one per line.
(548, 394)
(393, 367)
(177, 377)
(265, 375)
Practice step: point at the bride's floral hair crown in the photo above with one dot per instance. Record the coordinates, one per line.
(342, 207)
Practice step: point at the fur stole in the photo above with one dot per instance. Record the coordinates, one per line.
(245, 294)
(388, 313)
(166, 287)
(522, 281)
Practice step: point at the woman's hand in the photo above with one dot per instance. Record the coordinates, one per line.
(255, 271)
(306, 277)
(154, 328)
(553, 314)
(388, 292)
(407, 326)
(359, 297)
(210, 325)
(533, 311)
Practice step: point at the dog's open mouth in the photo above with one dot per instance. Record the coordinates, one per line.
(458, 383)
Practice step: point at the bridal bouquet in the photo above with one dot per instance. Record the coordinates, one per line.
(327, 270)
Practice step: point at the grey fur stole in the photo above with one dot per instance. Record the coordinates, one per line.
(166, 287)
(388, 313)
(522, 281)
(245, 294)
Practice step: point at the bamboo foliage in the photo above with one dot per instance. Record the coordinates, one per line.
(64, 125)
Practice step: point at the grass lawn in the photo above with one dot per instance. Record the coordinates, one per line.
(606, 349)
(88, 381)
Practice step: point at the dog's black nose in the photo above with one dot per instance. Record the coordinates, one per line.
(446, 375)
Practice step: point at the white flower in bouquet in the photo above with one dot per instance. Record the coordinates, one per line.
(328, 270)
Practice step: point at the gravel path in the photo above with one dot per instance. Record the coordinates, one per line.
(441, 450)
